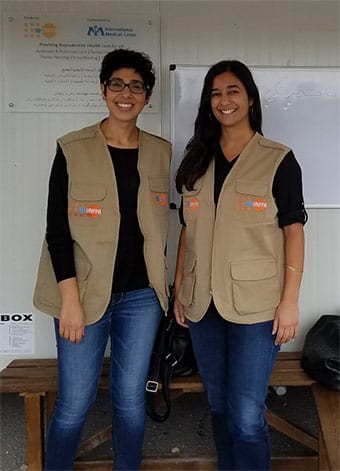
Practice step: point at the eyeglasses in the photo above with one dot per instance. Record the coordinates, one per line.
(117, 85)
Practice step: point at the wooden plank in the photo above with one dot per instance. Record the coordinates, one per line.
(34, 432)
(290, 378)
(323, 460)
(282, 363)
(292, 431)
(191, 384)
(278, 463)
(289, 355)
(97, 465)
(294, 463)
(29, 373)
(52, 362)
(34, 373)
(185, 464)
(95, 440)
(328, 406)
(17, 385)
(33, 362)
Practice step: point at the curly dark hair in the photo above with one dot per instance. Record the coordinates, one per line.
(207, 131)
(127, 58)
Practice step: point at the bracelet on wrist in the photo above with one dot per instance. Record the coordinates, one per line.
(297, 270)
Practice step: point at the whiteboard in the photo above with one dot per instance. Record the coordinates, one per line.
(301, 108)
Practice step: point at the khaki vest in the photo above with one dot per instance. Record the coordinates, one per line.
(94, 220)
(234, 253)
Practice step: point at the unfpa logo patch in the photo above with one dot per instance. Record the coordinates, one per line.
(159, 199)
(80, 209)
(191, 204)
(246, 203)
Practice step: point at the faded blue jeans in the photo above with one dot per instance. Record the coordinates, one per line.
(131, 321)
(235, 362)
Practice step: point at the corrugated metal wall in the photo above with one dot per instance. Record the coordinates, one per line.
(284, 33)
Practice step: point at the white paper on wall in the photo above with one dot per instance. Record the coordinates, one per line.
(16, 333)
(52, 61)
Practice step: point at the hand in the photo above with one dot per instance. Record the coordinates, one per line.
(179, 313)
(286, 322)
(72, 322)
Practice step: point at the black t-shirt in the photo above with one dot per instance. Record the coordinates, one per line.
(130, 270)
(287, 188)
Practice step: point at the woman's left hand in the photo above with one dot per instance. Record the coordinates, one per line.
(286, 322)
(179, 313)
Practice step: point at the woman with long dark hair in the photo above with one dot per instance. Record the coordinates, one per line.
(240, 259)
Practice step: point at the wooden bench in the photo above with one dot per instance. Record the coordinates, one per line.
(36, 381)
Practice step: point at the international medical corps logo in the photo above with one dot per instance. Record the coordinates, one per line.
(247, 203)
(81, 209)
(103, 27)
(95, 30)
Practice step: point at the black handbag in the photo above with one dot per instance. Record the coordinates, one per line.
(172, 356)
(321, 351)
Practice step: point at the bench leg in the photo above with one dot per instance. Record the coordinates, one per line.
(50, 398)
(34, 431)
(328, 407)
(323, 461)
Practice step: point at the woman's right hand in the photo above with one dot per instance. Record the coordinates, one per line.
(72, 317)
(179, 313)
(72, 322)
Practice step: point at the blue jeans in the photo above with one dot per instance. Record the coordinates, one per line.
(235, 362)
(131, 321)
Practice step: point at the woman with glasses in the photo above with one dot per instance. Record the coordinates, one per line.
(240, 259)
(102, 272)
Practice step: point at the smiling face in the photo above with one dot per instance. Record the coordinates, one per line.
(229, 101)
(124, 105)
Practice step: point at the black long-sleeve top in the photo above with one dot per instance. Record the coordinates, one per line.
(130, 270)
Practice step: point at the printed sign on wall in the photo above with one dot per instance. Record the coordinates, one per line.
(52, 61)
(16, 333)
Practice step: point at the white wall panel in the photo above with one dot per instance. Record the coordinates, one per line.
(276, 32)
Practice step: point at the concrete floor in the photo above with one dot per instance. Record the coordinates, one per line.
(186, 433)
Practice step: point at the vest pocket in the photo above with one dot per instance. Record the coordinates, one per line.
(159, 193)
(186, 292)
(86, 204)
(83, 268)
(255, 285)
(87, 192)
(252, 200)
(191, 201)
(47, 291)
(249, 187)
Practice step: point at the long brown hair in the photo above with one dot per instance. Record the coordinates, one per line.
(207, 130)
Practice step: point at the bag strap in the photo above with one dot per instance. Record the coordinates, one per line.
(161, 369)
(161, 366)
(155, 361)
(165, 378)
